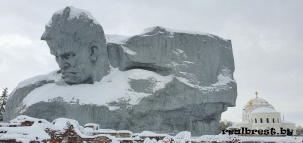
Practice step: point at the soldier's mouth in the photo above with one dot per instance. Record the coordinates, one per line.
(68, 74)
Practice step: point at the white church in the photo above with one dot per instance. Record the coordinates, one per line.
(259, 114)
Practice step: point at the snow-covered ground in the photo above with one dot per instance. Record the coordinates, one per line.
(39, 129)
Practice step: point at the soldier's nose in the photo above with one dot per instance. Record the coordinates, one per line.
(65, 65)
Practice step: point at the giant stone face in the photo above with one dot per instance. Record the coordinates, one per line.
(79, 46)
(75, 62)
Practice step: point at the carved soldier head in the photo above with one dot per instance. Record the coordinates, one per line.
(77, 41)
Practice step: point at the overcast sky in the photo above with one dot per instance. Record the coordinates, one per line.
(267, 40)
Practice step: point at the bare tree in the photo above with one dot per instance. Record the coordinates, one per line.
(299, 131)
(224, 124)
(3, 100)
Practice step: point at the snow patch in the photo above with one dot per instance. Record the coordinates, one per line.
(24, 134)
(112, 108)
(218, 138)
(224, 77)
(220, 85)
(174, 65)
(222, 80)
(184, 135)
(150, 134)
(53, 76)
(128, 51)
(188, 62)
(35, 132)
(180, 52)
(62, 123)
(99, 93)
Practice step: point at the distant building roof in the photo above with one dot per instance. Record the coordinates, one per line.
(264, 110)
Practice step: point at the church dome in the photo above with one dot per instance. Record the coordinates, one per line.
(256, 103)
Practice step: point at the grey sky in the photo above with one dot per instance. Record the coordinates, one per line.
(267, 38)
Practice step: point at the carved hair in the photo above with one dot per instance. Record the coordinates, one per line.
(76, 24)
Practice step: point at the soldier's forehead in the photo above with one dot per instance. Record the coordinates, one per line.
(62, 43)
(60, 51)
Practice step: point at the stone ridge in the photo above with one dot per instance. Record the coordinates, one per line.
(157, 29)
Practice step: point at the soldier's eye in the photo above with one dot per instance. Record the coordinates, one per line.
(66, 56)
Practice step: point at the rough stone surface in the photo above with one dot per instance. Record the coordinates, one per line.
(202, 85)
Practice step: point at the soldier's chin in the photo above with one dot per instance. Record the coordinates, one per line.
(71, 80)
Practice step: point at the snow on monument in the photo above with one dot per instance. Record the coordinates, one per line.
(160, 80)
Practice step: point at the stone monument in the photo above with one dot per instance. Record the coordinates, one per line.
(161, 80)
